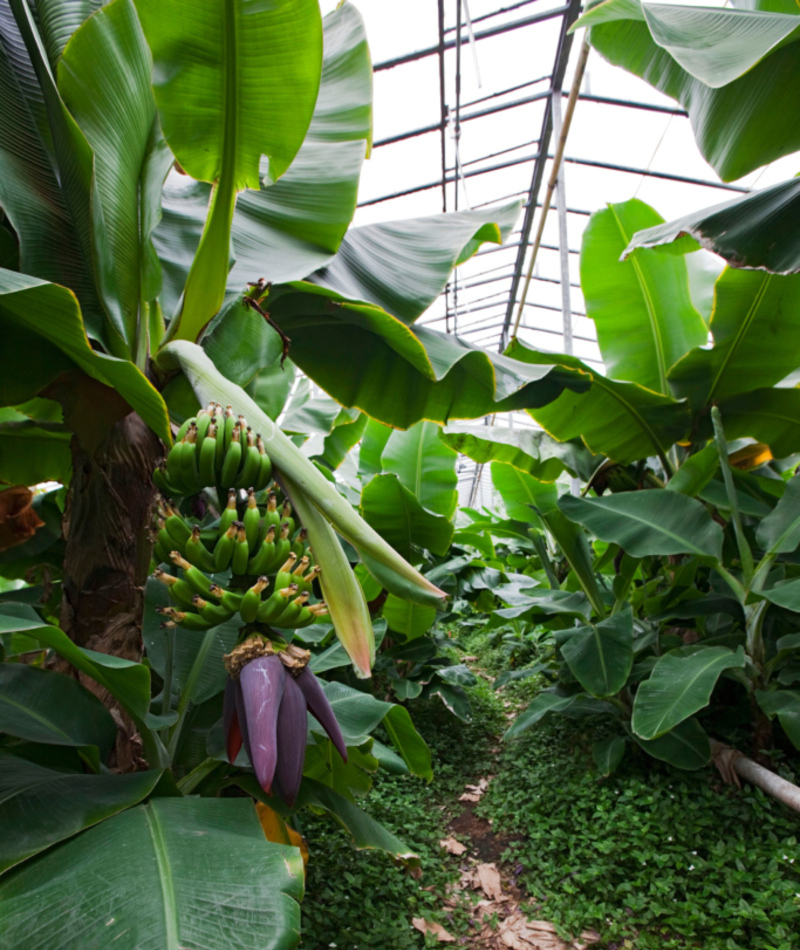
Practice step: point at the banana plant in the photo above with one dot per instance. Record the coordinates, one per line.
(683, 531)
(177, 185)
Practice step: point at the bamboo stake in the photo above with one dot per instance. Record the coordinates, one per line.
(551, 185)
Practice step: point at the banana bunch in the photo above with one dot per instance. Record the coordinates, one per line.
(214, 448)
(269, 560)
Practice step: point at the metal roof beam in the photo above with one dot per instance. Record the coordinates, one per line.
(479, 35)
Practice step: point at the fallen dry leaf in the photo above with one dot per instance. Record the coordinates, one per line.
(469, 659)
(451, 846)
(430, 927)
(489, 880)
(469, 797)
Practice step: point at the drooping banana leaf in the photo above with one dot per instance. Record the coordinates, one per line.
(621, 420)
(757, 230)
(739, 126)
(530, 450)
(363, 356)
(45, 335)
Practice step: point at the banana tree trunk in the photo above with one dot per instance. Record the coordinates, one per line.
(108, 512)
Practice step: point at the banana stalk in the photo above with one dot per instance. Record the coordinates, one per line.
(208, 382)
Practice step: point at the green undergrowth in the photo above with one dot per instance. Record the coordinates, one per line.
(650, 857)
(360, 899)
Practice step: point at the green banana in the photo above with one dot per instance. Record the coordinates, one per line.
(190, 476)
(307, 582)
(196, 578)
(265, 465)
(160, 554)
(230, 466)
(286, 515)
(176, 526)
(185, 618)
(252, 521)
(284, 577)
(206, 465)
(211, 613)
(241, 551)
(252, 463)
(162, 482)
(202, 422)
(310, 613)
(248, 609)
(222, 421)
(178, 589)
(230, 426)
(275, 605)
(183, 429)
(165, 539)
(299, 543)
(230, 601)
(272, 515)
(264, 557)
(197, 553)
(223, 551)
(229, 514)
(283, 545)
(291, 612)
(174, 468)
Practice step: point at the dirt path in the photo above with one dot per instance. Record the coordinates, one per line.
(497, 921)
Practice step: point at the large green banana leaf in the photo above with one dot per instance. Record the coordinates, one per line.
(233, 81)
(641, 307)
(425, 466)
(756, 230)
(33, 450)
(644, 523)
(767, 415)
(397, 515)
(200, 871)
(740, 126)
(530, 450)
(785, 704)
(600, 655)
(30, 193)
(45, 706)
(621, 420)
(73, 157)
(40, 807)
(779, 532)
(44, 336)
(104, 80)
(686, 746)
(756, 338)
(678, 687)
(290, 228)
(363, 356)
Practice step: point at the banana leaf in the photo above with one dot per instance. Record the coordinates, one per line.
(745, 123)
(757, 230)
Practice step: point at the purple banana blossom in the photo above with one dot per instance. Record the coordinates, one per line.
(230, 720)
(262, 684)
(292, 729)
(321, 709)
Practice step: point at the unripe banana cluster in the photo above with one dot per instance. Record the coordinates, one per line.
(270, 564)
(215, 448)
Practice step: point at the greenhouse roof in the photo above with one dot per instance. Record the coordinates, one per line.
(464, 118)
